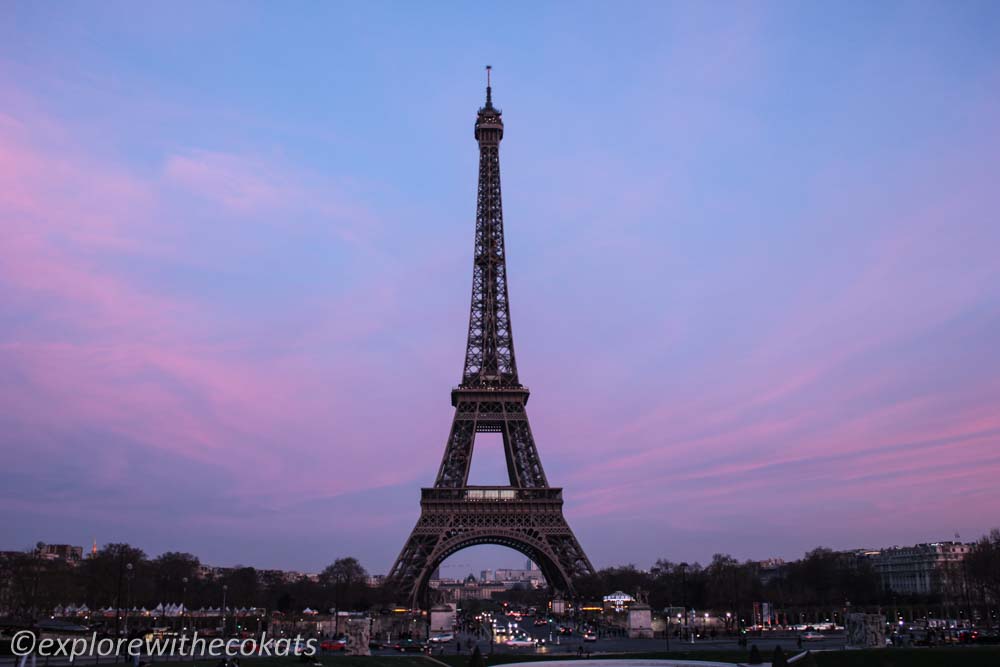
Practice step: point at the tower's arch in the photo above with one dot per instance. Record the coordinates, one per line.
(531, 547)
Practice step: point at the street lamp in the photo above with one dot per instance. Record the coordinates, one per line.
(184, 589)
(118, 594)
(128, 593)
(225, 588)
(36, 570)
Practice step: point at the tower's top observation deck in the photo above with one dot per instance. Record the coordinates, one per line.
(489, 125)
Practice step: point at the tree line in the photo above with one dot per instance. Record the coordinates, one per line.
(123, 576)
(823, 580)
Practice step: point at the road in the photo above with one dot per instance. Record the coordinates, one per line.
(570, 645)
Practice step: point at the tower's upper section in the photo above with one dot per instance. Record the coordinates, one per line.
(489, 354)
(489, 125)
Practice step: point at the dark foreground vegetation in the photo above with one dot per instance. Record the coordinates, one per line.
(820, 584)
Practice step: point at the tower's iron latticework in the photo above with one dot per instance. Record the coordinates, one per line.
(526, 515)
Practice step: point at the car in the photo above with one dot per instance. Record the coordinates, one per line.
(519, 642)
(443, 638)
(811, 637)
(333, 645)
(408, 645)
(565, 630)
(541, 621)
(375, 644)
(589, 637)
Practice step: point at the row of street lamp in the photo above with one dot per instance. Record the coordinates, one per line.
(666, 620)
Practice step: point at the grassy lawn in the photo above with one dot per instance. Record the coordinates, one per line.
(507, 658)
(985, 656)
(454, 660)
(327, 660)
(892, 657)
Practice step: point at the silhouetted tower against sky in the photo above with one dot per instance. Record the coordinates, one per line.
(527, 514)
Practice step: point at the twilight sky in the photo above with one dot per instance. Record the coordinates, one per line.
(754, 256)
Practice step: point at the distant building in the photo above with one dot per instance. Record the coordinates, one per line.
(453, 590)
(921, 569)
(264, 577)
(212, 572)
(65, 552)
(769, 570)
(282, 576)
(530, 575)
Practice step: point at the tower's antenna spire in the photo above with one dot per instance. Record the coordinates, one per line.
(489, 90)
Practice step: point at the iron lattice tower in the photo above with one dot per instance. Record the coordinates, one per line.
(527, 514)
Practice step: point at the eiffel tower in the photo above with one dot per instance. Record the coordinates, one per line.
(527, 514)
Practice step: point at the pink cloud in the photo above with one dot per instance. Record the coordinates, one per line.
(236, 182)
(256, 188)
(122, 354)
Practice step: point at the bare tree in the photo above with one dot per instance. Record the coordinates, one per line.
(344, 577)
(983, 566)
